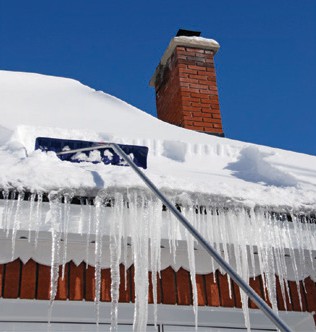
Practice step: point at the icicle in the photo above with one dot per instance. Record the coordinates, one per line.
(38, 216)
(115, 253)
(241, 257)
(299, 240)
(88, 234)
(17, 222)
(11, 208)
(252, 247)
(56, 217)
(172, 232)
(31, 217)
(191, 256)
(66, 217)
(155, 247)
(224, 241)
(279, 255)
(139, 236)
(5, 194)
(99, 207)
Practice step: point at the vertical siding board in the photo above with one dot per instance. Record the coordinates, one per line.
(310, 287)
(76, 281)
(236, 290)
(168, 286)
(184, 295)
(12, 279)
(201, 292)
(294, 296)
(106, 285)
(130, 280)
(280, 300)
(150, 289)
(303, 297)
(1, 278)
(256, 284)
(90, 283)
(62, 286)
(124, 293)
(28, 280)
(212, 292)
(43, 282)
(226, 300)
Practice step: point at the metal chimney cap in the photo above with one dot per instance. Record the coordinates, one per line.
(188, 33)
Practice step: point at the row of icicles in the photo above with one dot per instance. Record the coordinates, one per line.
(250, 239)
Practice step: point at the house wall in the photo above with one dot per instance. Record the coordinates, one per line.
(32, 281)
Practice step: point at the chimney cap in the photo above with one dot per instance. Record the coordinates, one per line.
(188, 33)
(187, 41)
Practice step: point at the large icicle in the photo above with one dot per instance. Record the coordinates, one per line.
(155, 225)
(139, 236)
(66, 216)
(16, 221)
(191, 215)
(56, 220)
(115, 253)
(99, 231)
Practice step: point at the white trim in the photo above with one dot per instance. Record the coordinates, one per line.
(16, 310)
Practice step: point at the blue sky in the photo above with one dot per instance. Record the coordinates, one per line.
(266, 67)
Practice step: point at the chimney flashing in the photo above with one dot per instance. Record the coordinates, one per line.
(194, 42)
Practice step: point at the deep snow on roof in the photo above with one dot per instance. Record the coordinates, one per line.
(180, 160)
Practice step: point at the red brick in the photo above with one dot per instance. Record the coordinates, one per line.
(188, 80)
(199, 86)
(188, 71)
(197, 67)
(199, 77)
(191, 108)
(194, 127)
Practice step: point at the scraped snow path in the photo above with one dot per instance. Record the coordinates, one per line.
(228, 171)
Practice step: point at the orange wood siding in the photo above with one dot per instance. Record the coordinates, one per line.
(32, 281)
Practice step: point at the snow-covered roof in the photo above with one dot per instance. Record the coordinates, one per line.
(199, 170)
(210, 168)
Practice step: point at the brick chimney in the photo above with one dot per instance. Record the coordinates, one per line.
(185, 84)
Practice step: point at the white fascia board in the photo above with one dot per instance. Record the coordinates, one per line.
(84, 312)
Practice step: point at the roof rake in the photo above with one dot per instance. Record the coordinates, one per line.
(77, 151)
(49, 144)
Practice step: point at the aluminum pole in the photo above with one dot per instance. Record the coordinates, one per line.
(274, 318)
(218, 258)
